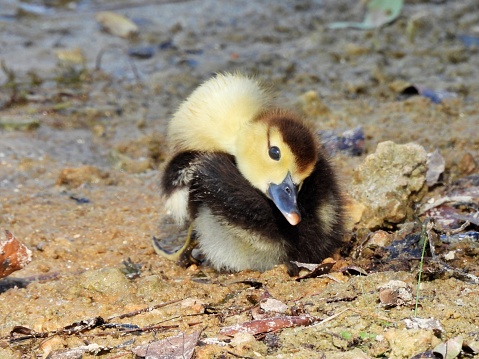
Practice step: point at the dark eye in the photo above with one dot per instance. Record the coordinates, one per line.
(274, 153)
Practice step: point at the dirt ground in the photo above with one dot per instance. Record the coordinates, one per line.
(82, 145)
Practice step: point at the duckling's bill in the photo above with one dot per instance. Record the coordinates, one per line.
(284, 196)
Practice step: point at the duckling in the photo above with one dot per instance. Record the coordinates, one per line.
(251, 179)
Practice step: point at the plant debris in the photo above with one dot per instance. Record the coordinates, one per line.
(316, 270)
(180, 346)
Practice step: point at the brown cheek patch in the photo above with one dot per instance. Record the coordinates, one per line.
(299, 138)
(306, 171)
(296, 135)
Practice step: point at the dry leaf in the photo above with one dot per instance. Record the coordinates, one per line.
(450, 349)
(13, 255)
(315, 269)
(180, 346)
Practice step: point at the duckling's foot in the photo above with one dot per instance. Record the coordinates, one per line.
(293, 269)
(183, 256)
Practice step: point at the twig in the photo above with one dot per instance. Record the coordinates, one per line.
(460, 229)
(266, 325)
(144, 310)
(238, 356)
(334, 316)
(427, 225)
(443, 200)
(372, 314)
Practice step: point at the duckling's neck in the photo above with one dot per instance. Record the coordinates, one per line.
(250, 139)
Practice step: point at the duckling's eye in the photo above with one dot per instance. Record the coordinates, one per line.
(274, 153)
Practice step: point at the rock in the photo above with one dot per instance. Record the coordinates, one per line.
(116, 24)
(129, 164)
(435, 167)
(150, 286)
(354, 211)
(352, 49)
(395, 293)
(312, 104)
(142, 52)
(194, 304)
(466, 164)
(107, 281)
(405, 343)
(273, 305)
(71, 56)
(380, 239)
(356, 353)
(244, 343)
(388, 182)
(74, 177)
(424, 323)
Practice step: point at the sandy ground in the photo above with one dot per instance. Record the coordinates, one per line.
(82, 147)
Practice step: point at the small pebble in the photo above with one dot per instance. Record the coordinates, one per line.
(142, 52)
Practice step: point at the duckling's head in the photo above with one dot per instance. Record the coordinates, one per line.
(276, 152)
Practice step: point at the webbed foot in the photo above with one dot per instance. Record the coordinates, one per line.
(183, 256)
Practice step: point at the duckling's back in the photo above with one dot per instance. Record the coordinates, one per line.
(211, 117)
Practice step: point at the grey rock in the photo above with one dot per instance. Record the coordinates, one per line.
(388, 182)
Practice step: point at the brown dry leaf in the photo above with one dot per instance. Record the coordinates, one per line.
(180, 346)
(315, 269)
(354, 270)
(13, 255)
(78, 352)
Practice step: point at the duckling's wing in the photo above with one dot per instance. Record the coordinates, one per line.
(320, 233)
(175, 184)
(179, 171)
(220, 186)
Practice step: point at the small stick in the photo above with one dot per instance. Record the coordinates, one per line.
(144, 310)
(334, 316)
(443, 200)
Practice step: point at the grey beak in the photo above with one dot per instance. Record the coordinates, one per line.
(284, 196)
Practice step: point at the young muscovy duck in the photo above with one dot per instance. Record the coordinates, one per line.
(250, 179)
